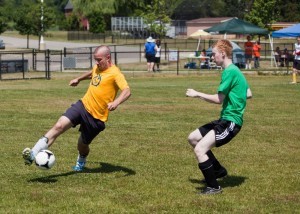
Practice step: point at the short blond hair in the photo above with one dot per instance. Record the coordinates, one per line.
(225, 46)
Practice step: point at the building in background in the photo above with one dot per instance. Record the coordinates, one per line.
(281, 25)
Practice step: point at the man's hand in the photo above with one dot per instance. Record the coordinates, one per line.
(112, 106)
(191, 93)
(74, 82)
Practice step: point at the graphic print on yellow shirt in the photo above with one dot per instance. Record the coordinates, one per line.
(96, 80)
(102, 90)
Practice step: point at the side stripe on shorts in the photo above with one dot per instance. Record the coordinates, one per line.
(224, 134)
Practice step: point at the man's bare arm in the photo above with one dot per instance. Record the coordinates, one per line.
(124, 95)
(76, 81)
(212, 98)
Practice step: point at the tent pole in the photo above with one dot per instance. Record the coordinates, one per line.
(272, 51)
(199, 40)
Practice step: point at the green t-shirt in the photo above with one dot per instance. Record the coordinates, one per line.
(234, 86)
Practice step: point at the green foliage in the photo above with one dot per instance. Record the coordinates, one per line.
(86, 7)
(258, 12)
(113, 7)
(97, 22)
(3, 17)
(72, 22)
(128, 7)
(289, 11)
(28, 19)
(142, 162)
(157, 15)
(24, 20)
(263, 12)
(193, 9)
(235, 8)
(3, 24)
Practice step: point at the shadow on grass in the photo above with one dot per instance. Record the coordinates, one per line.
(104, 168)
(228, 181)
(109, 168)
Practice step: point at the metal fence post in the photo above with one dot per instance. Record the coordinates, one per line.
(140, 52)
(23, 66)
(34, 59)
(61, 60)
(178, 62)
(91, 57)
(116, 62)
(165, 51)
(0, 68)
(47, 64)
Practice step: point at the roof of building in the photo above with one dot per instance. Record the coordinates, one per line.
(69, 5)
(280, 25)
(209, 20)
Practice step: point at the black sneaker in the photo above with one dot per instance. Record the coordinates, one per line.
(211, 191)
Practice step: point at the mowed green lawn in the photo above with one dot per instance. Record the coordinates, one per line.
(142, 162)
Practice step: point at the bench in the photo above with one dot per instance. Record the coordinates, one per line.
(14, 65)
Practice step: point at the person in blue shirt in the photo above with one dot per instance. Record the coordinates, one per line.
(150, 53)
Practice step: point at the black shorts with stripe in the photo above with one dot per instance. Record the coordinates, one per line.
(225, 130)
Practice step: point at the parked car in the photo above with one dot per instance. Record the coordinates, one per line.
(2, 45)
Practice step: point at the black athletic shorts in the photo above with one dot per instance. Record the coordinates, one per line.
(157, 59)
(225, 130)
(150, 57)
(89, 126)
(296, 64)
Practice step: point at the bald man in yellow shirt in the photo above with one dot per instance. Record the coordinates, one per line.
(92, 111)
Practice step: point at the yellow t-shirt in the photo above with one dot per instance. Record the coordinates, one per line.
(103, 89)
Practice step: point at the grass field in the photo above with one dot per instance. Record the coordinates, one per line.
(142, 162)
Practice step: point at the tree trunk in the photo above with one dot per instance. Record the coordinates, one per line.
(27, 40)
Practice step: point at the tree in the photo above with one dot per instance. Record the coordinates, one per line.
(97, 22)
(193, 9)
(24, 21)
(28, 20)
(157, 15)
(262, 13)
(70, 23)
(236, 8)
(3, 17)
(104, 9)
(289, 11)
(3, 24)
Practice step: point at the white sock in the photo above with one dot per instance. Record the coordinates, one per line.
(81, 158)
(40, 145)
(249, 66)
(246, 66)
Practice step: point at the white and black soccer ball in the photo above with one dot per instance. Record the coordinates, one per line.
(45, 159)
